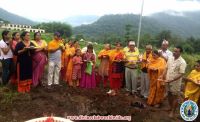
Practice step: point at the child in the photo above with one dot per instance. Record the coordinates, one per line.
(77, 62)
(88, 69)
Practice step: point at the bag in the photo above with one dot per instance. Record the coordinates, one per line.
(88, 69)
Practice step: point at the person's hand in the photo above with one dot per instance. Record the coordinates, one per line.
(145, 61)
(25, 49)
(104, 56)
(119, 60)
(154, 69)
(161, 77)
(163, 83)
(61, 47)
(168, 81)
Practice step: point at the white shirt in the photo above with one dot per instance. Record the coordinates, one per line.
(9, 54)
(175, 67)
(166, 54)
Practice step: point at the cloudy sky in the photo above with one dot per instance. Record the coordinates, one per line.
(41, 10)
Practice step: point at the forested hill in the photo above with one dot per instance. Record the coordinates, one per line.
(183, 24)
(13, 18)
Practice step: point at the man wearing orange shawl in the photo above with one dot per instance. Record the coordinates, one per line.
(157, 88)
(69, 55)
(116, 69)
(147, 56)
(55, 48)
(192, 88)
(103, 69)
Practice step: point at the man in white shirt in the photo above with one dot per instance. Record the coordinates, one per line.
(164, 51)
(176, 66)
(6, 57)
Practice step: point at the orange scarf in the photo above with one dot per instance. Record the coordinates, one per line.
(104, 53)
(54, 44)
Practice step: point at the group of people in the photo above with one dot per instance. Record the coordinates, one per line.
(162, 72)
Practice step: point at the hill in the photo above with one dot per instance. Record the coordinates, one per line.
(13, 18)
(115, 24)
(183, 24)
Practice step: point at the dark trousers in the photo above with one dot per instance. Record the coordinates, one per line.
(7, 70)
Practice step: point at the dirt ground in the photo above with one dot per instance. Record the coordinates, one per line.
(68, 101)
(64, 101)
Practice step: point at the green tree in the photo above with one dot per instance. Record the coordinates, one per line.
(128, 32)
(51, 27)
(166, 34)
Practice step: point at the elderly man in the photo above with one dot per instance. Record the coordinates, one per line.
(132, 57)
(164, 51)
(173, 74)
(147, 56)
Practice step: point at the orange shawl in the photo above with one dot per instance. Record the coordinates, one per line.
(157, 90)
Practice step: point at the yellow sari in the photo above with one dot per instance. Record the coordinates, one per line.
(43, 44)
(192, 89)
(157, 90)
(69, 53)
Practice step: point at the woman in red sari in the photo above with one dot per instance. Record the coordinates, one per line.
(24, 54)
(116, 69)
(39, 58)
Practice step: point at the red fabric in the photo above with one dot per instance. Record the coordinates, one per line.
(115, 79)
(14, 75)
(115, 84)
(23, 86)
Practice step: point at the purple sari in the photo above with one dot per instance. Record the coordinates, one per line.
(39, 61)
(88, 81)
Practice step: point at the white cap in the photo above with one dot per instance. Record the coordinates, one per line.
(131, 43)
(165, 42)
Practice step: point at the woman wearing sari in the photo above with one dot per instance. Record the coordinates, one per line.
(39, 58)
(192, 88)
(24, 53)
(104, 64)
(70, 52)
(116, 70)
(15, 40)
(88, 69)
(157, 88)
(65, 60)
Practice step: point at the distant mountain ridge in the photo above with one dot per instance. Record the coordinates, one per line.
(15, 19)
(185, 24)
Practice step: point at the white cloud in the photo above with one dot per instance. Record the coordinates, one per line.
(60, 9)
